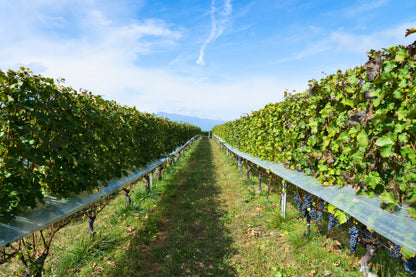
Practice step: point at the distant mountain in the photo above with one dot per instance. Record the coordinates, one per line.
(205, 124)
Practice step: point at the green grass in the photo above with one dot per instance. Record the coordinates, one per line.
(204, 219)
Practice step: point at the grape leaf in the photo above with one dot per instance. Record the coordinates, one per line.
(384, 141)
(362, 139)
(410, 31)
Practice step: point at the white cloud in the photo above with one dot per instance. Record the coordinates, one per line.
(102, 56)
(102, 59)
(217, 27)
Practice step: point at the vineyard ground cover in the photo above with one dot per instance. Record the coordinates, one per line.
(204, 218)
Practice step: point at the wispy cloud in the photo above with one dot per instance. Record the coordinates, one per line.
(362, 43)
(327, 41)
(217, 27)
(365, 6)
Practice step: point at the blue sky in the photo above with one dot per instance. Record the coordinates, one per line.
(215, 59)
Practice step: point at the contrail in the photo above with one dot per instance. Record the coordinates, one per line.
(216, 28)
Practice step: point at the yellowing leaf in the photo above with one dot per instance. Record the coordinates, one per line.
(410, 31)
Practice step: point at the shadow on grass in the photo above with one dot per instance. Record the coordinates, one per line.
(185, 236)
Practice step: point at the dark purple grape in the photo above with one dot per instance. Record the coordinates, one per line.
(332, 220)
(354, 233)
(410, 265)
(298, 201)
(394, 250)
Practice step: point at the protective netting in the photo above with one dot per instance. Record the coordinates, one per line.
(396, 226)
(55, 210)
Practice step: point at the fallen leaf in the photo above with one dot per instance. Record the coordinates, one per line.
(131, 228)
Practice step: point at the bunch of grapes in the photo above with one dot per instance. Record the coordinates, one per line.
(332, 220)
(320, 205)
(308, 203)
(319, 218)
(410, 265)
(354, 233)
(298, 201)
(312, 214)
(366, 234)
(394, 250)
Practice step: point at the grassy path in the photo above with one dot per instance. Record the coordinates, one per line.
(215, 223)
(192, 239)
(211, 222)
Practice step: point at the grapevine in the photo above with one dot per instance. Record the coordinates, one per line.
(60, 142)
(352, 127)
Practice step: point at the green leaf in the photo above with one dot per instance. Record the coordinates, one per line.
(397, 94)
(362, 139)
(403, 138)
(358, 156)
(389, 65)
(407, 254)
(401, 55)
(388, 197)
(347, 102)
(312, 140)
(341, 216)
(314, 126)
(373, 179)
(386, 151)
(412, 212)
(331, 208)
(384, 141)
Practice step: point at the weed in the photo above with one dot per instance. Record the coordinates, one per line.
(274, 219)
(83, 250)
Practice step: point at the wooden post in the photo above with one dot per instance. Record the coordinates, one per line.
(240, 164)
(147, 182)
(159, 173)
(260, 177)
(127, 196)
(308, 224)
(270, 185)
(284, 186)
(91, 220)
